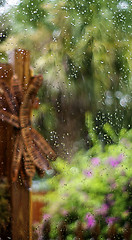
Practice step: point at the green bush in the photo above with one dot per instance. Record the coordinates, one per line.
(95, 187)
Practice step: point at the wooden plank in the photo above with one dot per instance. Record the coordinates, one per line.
(3, 126)
(26, 70)
(16, 58)
(21, 203)
(6, 72)
(21, 227)
(21, 196)
(37, 206)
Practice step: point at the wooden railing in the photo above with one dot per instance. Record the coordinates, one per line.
(81, 233)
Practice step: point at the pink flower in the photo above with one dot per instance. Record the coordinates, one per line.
(103, 210)
(90, 220)
(114, 162)
(46, 216)
(95, 161)
(87, 173)
(110, 220)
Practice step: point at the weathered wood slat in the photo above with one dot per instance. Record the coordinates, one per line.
(21, 196)
(6, 72)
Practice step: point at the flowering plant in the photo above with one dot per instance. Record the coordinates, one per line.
(95, 187)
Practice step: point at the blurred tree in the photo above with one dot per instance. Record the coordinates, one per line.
(2, 2)
(84, 51)
(4, 28)
(31, 12)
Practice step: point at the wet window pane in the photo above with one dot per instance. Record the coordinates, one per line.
(82, 49)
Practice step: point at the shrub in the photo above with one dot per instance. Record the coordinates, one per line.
(95, 187)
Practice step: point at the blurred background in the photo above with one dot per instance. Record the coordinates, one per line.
(84, 51)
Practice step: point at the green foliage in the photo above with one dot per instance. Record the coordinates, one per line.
(83, 49)
(109, 130)
(31, 12)
(90, 127)
(96, 182)
(4, 32)
(45, 117)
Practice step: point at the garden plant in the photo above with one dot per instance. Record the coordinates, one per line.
(95, 187)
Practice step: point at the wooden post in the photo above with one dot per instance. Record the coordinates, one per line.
(6, 72)
(20, 196)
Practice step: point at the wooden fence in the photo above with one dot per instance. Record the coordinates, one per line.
(81, 233)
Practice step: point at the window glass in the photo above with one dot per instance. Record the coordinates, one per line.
(83, 49)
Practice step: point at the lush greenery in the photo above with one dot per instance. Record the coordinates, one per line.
(95, 187)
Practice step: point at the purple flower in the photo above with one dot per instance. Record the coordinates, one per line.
(103, 210)
(95, 161)
(87, 173)
(114, 162)
(110, 220)
(90, 220)
(46, 217)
